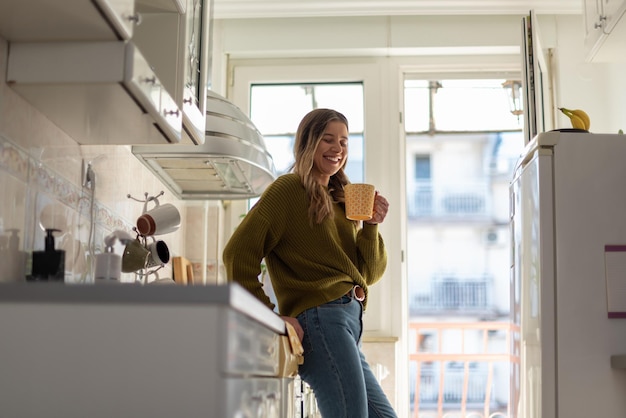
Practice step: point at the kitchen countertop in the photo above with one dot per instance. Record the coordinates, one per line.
(231, 295)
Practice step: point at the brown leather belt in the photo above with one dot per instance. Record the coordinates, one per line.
(357, 292)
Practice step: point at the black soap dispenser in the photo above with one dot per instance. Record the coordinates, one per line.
(48, 265)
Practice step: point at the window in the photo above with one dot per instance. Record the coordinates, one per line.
(276, 110)
(422, 167)
(458, 105)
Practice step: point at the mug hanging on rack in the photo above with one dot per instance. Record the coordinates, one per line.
(159, 253)
(135, 256)
(160, 220)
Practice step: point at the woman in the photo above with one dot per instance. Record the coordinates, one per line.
(321, 266)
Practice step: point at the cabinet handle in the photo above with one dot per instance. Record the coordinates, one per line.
(150, 80)
(171, 112)
(599, 24)
(135, 18)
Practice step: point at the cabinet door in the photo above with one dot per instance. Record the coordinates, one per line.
(157, 37)
(174, 37)
(121, 15)
(67, 20)
(195, 66)
(593, 22)
(612, 11)
(604, 30)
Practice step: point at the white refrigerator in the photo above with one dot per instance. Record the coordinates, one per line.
(568, 276)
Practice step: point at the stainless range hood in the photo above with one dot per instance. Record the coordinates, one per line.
(233, 163)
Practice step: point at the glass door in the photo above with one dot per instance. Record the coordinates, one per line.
(462, 143)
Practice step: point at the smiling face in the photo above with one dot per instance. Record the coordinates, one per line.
(331, 152)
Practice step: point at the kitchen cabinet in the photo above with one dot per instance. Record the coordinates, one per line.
(144, 83)
(175, 40)
(97, 92)
(196, 66)
(50, 20)
(605, 30)
(126, 350)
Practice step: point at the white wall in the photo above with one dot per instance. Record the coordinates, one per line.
(367, 36)
(598, 88)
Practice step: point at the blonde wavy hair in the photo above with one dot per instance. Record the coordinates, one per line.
(308, 136)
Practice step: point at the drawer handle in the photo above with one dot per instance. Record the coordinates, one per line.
(171, 112)
(135, 18)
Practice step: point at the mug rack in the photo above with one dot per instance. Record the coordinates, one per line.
(142, 275)
(146, 199)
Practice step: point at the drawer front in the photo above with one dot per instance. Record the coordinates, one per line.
(254, 398)
(149, 92)
(121, 14)
(251, 349)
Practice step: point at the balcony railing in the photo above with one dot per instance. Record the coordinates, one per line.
(452, 295)
(457, 379)
(470, 199)
(454, 380)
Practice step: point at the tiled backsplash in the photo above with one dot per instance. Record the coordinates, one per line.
(35, 197)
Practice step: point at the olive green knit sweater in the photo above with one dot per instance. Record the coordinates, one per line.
(308, 265)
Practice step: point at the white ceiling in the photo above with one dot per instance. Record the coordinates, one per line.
(238, 9)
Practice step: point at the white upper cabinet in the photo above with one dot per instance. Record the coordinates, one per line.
(98, 92)
(195, 64)
(66, 20)
(176, 42)
(605, 30)
(135, 70)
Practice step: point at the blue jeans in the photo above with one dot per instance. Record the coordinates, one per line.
(334, 365)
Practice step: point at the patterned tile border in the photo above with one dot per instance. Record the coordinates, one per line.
(18, 163)
(13, 160)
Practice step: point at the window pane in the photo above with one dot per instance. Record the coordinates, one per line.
(422, 167)
(277, 109)
(281, 148)
(459, 105)
(416, 105)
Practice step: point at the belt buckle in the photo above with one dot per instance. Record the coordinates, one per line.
(358, 293)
